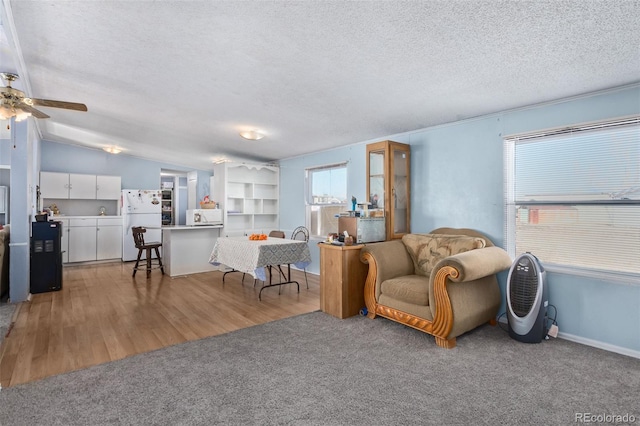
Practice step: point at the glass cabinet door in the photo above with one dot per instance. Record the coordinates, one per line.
(376, 180)
(400, 192)
(388, 185)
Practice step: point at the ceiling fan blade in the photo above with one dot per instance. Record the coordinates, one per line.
(59, 104)
(34, 112)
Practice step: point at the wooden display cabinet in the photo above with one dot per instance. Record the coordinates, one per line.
(389, 184)
(342, 277)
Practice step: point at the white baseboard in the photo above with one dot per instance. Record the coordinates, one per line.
(600, 345)
(594, 343)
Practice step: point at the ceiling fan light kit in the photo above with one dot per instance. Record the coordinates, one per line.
(251, 135)
(14, 103)
(7, 111)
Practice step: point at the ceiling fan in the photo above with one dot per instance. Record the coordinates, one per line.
(14, 103)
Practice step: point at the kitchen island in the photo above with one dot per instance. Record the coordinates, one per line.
(186, 249)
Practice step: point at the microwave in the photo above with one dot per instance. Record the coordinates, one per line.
(199, 217)
(363, 229)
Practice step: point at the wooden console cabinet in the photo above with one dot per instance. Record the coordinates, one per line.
(342, 277)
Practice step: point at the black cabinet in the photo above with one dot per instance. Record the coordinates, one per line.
(46, 256)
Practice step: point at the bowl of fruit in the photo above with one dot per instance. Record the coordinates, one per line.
(257, 237)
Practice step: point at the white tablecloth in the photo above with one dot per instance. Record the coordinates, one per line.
(245, 255)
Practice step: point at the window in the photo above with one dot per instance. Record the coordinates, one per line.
(326, 197)
(573, 197)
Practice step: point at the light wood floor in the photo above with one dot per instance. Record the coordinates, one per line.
(103, 314)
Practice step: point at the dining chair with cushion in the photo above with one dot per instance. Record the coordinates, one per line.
(277, 234)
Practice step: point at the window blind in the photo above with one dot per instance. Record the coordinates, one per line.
(573, 196)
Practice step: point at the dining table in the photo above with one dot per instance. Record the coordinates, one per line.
(259, 257)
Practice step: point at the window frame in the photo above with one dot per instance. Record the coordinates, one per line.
(511, 203)
(309, 202)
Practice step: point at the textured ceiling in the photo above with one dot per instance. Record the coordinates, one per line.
(176, 81)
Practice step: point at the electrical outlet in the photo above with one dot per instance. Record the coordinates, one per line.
(553, 330)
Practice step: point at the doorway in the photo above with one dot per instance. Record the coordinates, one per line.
(174, 197)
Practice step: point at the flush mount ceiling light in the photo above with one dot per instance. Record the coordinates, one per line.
(112, 149)
(252, 135)
(219, 160)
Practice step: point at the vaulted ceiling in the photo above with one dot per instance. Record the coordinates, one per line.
(176, 81)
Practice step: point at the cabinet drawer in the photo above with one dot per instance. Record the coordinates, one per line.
(82, 222)
(112, 221)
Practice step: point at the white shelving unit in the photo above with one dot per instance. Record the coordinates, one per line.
(248, 195)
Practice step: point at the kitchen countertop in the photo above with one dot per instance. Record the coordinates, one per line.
(185, 227)
(64, 216)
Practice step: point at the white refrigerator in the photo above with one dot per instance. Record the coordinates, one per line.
(140, 207)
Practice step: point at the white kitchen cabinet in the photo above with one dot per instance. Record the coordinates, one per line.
(82, 244)
(108, 187)
(82, 187)
(86, 239)
(109, 238)
(67, 185)
(54, 185)
(65, 240)
(82, 239)
(76, 186)
(248, 195)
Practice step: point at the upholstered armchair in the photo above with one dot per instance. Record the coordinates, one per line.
(443, 283)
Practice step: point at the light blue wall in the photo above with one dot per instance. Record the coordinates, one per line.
(5, 173)
(457, 181)
(5, 152)
(20, 210)
(292, 190)
(136, 173)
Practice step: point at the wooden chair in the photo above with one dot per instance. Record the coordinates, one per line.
(138, 238)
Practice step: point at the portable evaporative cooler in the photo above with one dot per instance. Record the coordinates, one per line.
(527, 300)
